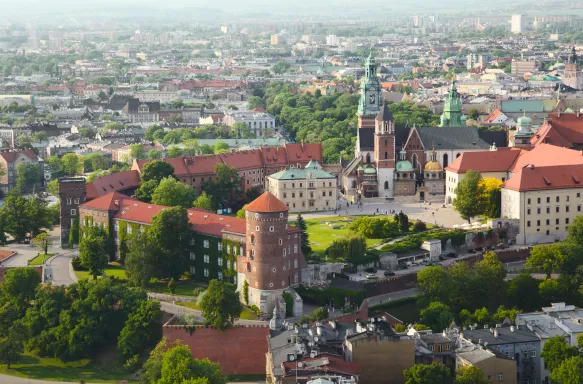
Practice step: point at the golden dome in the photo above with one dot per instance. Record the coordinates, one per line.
(433, 166)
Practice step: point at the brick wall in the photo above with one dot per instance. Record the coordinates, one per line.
(240, 350)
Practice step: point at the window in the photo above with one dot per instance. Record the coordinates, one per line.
(557, 221)
(220, 276)
(234, 265)
(528, 211)
(192, 270)
(206, 244)
(207, 259)
(206, 272)
(295, 263)
(578, 194)
(538, 200)
(548, 199)
(284, 195)
(228, 264)
(280, 241)
(295, 248)
(284, 252)
(329, 193)
(528, 201)
(567, 208)
(293, 195)
(558, 199)
(500, 377)
(447, 347)
(538, 211)
(191, 241)
(257, 228)
(116, 227)
(228, 249)
(69, 201)
(129, 229)
(548, 222)
(301, 195)
(533, 353)
(557, 209)
(433, 347)
(295, 277)
(192, 256)
(77, 201)
(271, 229)
(73, 212)
(578, 208)
(220, 261)
(220, 246)
(324, 193)
(528, 223)
(538, 223)
(567, 220)
(252, 252)
(568, 198)
(548, 209)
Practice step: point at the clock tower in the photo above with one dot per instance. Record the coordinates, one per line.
(369, 105)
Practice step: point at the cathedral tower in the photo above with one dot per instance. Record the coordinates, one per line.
(384, 151)
(573, 76)
(274, 258)
(452, 110)
(370, 95)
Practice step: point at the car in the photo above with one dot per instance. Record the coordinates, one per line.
(389, 273)
(371, 270)
(371, 276)
(441, 258)
(472, 250)
(452, 255)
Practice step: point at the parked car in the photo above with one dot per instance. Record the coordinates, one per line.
(389, 273)
(441, 258)
(452, 255)
(371, 270)
(472, 250)
(371, 276)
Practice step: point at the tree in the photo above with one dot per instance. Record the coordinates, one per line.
(137, 151)
(142, 260)
(470, 375)
(204, 202)
(569, 371)
(434, 282)
(154, 154)
(93, 251)
(492, 196)
(12, 346)
(43, 241)
(113, 126)
(225, 190)
(433, 373)
(469, 200)
(170, 233)
(144, 192)
(281, 67)
(171, 363)
(151, 130)
(156, 170)
(72, 164)
(20, 284)
(474, 114)
(575, 231)
(171, 192)
(241, 212)
(438, 316)
(174, 151)
(403, 222)
(546, 257)
(254, 102)
(221, 147)
(220, 304)
(74, 233)
(556, 350)
(243, 131)
(301, 224)
(524, 289)
(141, 329)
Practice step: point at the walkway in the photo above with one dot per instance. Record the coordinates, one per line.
(197, 315)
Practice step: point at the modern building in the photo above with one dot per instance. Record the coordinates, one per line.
(305, 189)
(258, 122)
(519, 68)
(517, 23)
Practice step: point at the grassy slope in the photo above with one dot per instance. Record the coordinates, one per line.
(110, 270)
(40, 259)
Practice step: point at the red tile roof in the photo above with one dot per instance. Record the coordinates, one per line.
(274, 156)
(258, 109)
(115, 182)
(544, 155)
(569, 125)
(6, 254)
(493, 116)
(548, 134)
(332, 363)
(110, 202)
(267, 202)
(248, 159)
(303, 152)
(11, 156)
(541, 178)
(486, 161)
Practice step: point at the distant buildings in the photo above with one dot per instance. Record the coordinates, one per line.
(142, 112)
(573, 76)
(517, 23)
(9, 162)
(521, 67)
(258, 122)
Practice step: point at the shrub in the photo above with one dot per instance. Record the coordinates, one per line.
(197, 291)
(172, 286)
(255, 309)
(77, 264)
(289, 303)
(419, 226)
(246, 292)
(132, 364)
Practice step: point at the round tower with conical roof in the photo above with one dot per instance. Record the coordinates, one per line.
(274, 258)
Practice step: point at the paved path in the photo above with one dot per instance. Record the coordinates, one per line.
(180, 310)
(380, 299)
(57, 268)
(6, 379)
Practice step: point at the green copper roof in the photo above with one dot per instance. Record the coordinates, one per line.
(404, 166)
(370, 170)
(312, 171)
(452, 109)
(523, 121)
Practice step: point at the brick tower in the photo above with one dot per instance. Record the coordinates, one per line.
(274, 258)
(71, 195)
(384, 151)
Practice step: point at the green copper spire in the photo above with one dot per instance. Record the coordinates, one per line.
(370, 89)
(452, 110)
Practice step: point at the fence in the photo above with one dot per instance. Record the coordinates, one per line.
(170, 298)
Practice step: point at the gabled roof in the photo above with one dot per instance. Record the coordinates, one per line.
(493, 116)
(266, 203)
(274, 156)
(11, 156)
(486, 161)
(545, 155)
(451, 137)
(119, 181)
(551, 177)
(246, 159)
(549, 135)
(569, 125)
(303, 152)
(109, 202)
(385, 114)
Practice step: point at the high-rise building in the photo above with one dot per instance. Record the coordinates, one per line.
(517, 23)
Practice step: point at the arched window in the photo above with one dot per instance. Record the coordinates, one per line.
(414, 160)
(386, 142)
(458, 155)
(353, 183)
(445, 160)
(368, 158)
(386, 185)
(386, 155)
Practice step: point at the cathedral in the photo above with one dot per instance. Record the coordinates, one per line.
(394, 161)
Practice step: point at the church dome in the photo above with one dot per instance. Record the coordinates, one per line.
(404, 166)
(433, 166)
(523, 121)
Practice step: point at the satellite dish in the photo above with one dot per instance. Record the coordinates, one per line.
(292, 357)
(300, 364)
(297, 331)
(316, 338)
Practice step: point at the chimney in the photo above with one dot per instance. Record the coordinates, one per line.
(480, 342)
(495, 333)
(116, 203)
(512, 328)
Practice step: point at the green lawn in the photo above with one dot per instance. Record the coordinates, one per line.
(111, 270)
(40, 259)
(246, 313)
(34, 367)
(183, 288)
(322, 235)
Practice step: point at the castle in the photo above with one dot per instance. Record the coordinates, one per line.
(261, 251)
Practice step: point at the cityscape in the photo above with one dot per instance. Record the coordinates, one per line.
(291, 193)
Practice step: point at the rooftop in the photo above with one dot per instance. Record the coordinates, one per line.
(267, 203)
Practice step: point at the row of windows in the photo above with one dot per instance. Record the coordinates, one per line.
(205, 272)
(557, 209)
(557, 199)
(440, 347)
(301, 194)
(207, 260)
(70, 201)
(310, 185)
(310, 203)
(260, 124)
(547, 222)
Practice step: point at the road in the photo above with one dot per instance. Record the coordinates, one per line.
(380, 299)
(57, 269)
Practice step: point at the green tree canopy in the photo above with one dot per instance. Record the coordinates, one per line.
(438, 316)
(556, 351)
(470, 375)
(220, 304)
(170, 234)
(470, 199)
(93, 251)
(204, 202)
(434, 373)
(171, 192)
